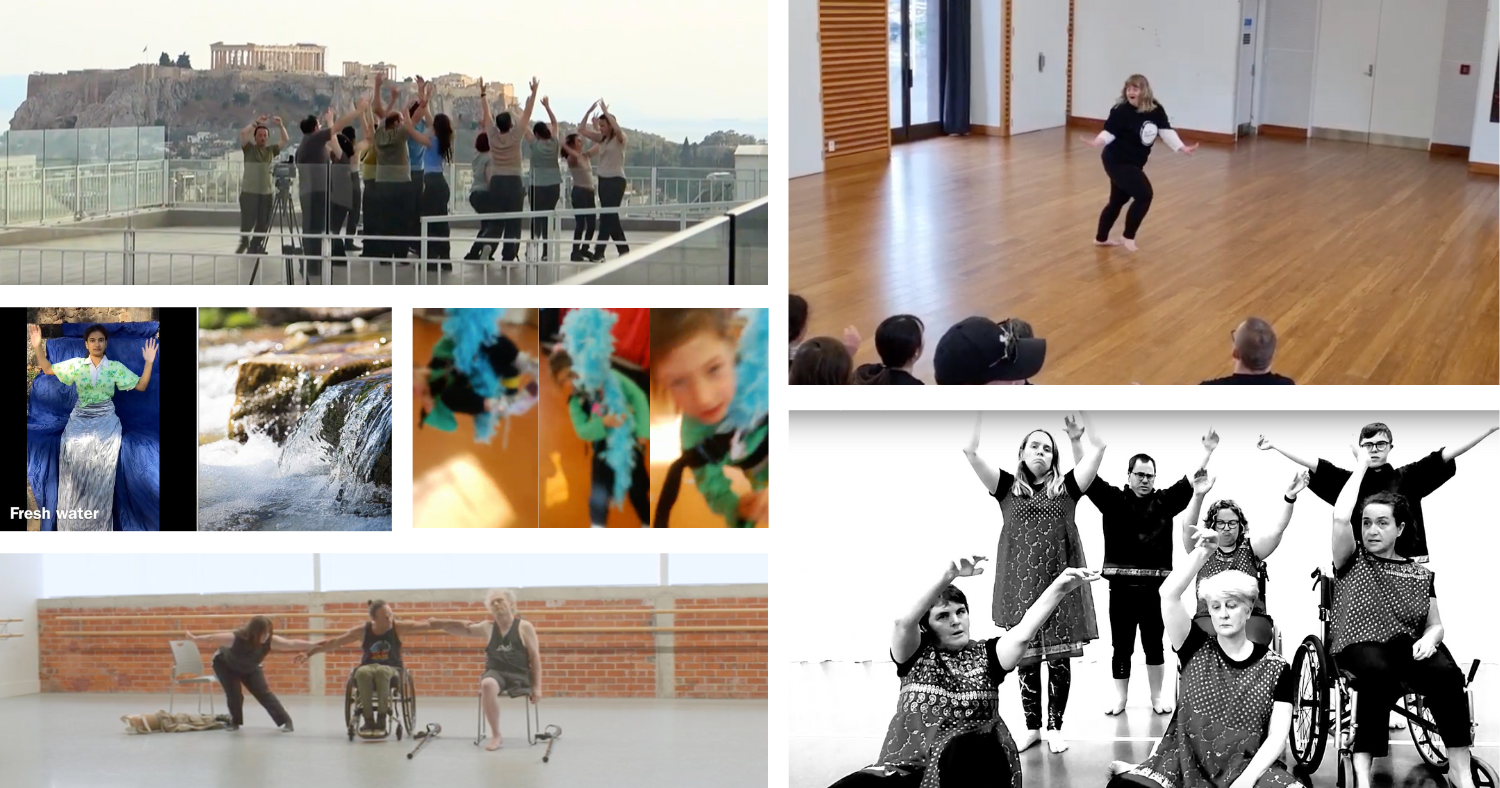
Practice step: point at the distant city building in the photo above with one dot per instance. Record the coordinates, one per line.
(457, 81)
(366, 71)
(292, 58)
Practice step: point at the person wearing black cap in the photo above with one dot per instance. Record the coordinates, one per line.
(1137, 520)
(1039, 540)
(977, 351)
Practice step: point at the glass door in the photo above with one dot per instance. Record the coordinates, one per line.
(914, 53)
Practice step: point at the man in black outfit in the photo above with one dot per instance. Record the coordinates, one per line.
(1138, 536)
(1414, 481)
(1254, 343)
(313, 174)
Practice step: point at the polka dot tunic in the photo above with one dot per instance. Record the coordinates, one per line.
(1223, 716)
(1243, 559)
(945, 694)
(1038, 539)
(1376, 599)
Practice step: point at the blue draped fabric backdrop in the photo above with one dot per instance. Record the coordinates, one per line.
(953, 77)
(138, 475)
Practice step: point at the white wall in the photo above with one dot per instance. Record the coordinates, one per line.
(1463, 42)
(910, 495)
(1187, 48)
(804, 110)
(20, 587)
(986, 26)
(1485, 142)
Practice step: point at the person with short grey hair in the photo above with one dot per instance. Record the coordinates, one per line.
(1254, 343)
(512, 656)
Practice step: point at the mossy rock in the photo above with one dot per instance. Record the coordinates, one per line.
(274, 390)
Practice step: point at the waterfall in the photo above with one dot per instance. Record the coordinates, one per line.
(346, 437)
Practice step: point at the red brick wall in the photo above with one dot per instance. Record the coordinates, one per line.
(613, 665)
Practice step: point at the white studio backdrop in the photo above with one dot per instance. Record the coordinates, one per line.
(897, 500)
(85, 574)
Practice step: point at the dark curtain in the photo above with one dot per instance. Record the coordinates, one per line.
(953, 76)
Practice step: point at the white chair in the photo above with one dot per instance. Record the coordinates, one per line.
(187, 668)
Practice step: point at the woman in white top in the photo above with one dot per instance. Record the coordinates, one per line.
(606, 131)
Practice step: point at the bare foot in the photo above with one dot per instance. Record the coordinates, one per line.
(1161, 706)
(1117, 708)
(1106, 243)
(1027, 740)
(1055, 742)
(1129, 243)
(1119, 767)
(493, 744)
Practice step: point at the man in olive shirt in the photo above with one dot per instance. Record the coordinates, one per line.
(255, 186)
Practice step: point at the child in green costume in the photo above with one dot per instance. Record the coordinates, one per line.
(590, 421)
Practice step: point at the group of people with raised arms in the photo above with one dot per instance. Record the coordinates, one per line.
(512, 665)
(1235, 693)
(395, 171)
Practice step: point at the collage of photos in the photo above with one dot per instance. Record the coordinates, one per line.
(586, 417)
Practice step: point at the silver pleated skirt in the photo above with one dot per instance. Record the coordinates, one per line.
(86, 468)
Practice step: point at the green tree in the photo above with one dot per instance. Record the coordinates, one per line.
(183, 61)
(164, 60)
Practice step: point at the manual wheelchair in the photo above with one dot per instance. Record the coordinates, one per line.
(403, 708)
(1325, 703)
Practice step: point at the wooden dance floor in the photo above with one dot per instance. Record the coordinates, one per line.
(1375, 265)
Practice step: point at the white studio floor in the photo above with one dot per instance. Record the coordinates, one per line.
(78, 741)
(839, 712)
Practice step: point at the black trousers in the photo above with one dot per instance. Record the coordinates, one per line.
(354, 206)
(604, 485)
(509, 196)
(1059, 683)
(1384, 671)
(233, 681)
(383, 204)
(255, 214)
(435, 203)
(1135, 603)
(611, 194)
(337, 214)
(1126, 183)
(314, 220)
(583, 226)
(543, 198)
(970, 759)
(369, 186)
(482, 249)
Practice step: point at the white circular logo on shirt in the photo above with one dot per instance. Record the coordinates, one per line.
(1148, 133)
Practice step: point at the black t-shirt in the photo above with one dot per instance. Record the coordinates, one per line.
(1242, 379)
(1134, 132)
(312, 161)
(1138, 530)
(866, 373)
(1414, 481)
(1286, 683)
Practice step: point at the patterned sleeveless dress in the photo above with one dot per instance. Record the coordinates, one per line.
(1376, 599)
(946, 695)
(1038, 540)
(1223, 715)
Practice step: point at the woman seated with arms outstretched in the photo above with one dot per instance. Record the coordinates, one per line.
(1234, 697)
(1387, 631)
(947, 729)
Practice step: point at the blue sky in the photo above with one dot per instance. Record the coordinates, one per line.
(674, 63)
(12, 93)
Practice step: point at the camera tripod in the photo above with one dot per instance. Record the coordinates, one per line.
(285, 225)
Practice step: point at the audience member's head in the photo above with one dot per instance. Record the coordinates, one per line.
(1254, 346)
(309, 124)
(978, 351)
(798, 310)
(822, 361)
(898, 340)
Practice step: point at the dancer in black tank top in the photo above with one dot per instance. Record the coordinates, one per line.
(237, 664)
(380, 659)
(512, 656)
(1133, 125)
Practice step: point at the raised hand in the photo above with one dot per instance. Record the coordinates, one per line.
(148, 352)
(974, 444)
(1202, 482)
(967, 567)
(1264, 443)
(481, 84)
(535, 83)
(1075, 577)
(261, 121)
(1362, 455)
(1072, 427)
(1211, 440)
(276, 119)
(544, 102)
(34, 335)
(1299, 483)
(1205, 536)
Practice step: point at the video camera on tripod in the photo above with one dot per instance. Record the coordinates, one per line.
(286, 224)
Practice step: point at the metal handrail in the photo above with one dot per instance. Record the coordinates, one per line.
(637, 255)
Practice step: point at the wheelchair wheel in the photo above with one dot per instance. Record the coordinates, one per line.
(1310, 712)
(1484, 774)
(349, 706)
(1424, 734)
(409, 701)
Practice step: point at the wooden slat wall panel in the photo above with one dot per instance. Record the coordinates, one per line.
(853, 39)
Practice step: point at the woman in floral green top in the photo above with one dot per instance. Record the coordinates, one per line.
(91, 441)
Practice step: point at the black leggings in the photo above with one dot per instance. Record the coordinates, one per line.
(543, 198)
(508, 195)
(1126, 183)
(434, 202)
(482, 249)
(583, 226)
(973, 758)
(604, 486)
(611, 194)
(1135, 604)
(1059, 681)
(1385, 671)
(233, 680)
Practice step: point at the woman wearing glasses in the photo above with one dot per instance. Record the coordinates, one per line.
(1238, 550)
(1038, 541)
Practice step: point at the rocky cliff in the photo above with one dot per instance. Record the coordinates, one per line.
(150, 95)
